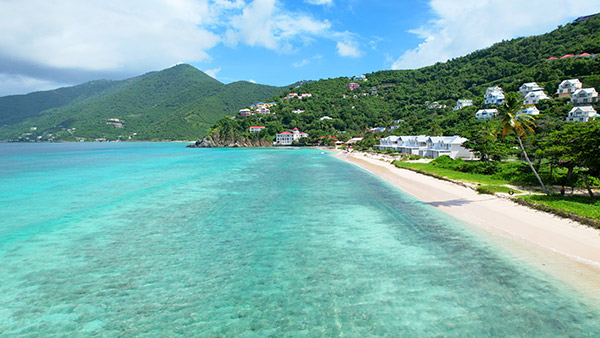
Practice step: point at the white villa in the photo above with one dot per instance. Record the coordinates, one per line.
(531, 110)
(535, 97)
(568, 87)
(245, 112)
(460, 104)
(494, 95)
(256, 129)
(298, 111)
(486, 114)
(287, 138)
(584, 95)
(529, 87)
(263, 110)
(428, 146)
(582, 114)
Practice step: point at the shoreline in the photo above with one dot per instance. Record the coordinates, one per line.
(567, 250)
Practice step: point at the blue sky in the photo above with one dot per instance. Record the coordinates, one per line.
(48, 44)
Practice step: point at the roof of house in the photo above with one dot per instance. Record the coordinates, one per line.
(257, 126)
(285, 133)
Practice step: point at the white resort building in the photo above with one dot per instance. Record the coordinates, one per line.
(568, 87)
(529, 87)
(287, 138)
(531, 110)
(256, 129)
(428, 146)
(460, 104)
(584, 95)
(494, 95)
(582, 114)
(535, 97)
(486, 114)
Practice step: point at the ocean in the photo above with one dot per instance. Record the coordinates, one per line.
(156, 240)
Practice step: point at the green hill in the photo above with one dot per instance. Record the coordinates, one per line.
(178, 103)
(403, 95)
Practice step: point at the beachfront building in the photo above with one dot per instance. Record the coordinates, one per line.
(486, 114)
(568, 87)
(460, 104)
(245, 112)
(582, 114)
(256, 129)
(534, 97)
(427, 146)
(529, 87)
(584, 95)
(354, 140)
(531, 110)
(494, 95)
(288, 137)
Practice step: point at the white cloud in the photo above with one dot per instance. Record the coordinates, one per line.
(467, 25)
(19, 84)
(349, 49)
(212, 72)
(106, 35)
(320, 2)
(264, 24)
(301, 63)
(252, 81)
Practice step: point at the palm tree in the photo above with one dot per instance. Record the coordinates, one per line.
(519, 124)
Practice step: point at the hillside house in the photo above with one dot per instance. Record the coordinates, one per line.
(256, 129)
(298, 111)
(529, 87)
(582, 114)
(435, 105)
(584, 95)
(353, 85)
(377, 130)
(246, 112)
(287, 138)
(531, 110)
(568, 87)
(291, 95)
(494, 95)
(305, 96)
(534, 97)
(263, 110)
(486, 114)
(325, 118)
(460, 104)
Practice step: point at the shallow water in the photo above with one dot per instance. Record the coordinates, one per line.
(141, 239)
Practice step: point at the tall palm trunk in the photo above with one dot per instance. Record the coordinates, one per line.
(587, 185)
(531, 166)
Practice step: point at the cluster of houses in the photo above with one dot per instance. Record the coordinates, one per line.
(298, 96)
(258, 108)
(288, 137)
(532, 94)
(571, 56)
(115, 123)
(428, 146)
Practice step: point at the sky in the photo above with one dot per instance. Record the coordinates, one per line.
(50, 44)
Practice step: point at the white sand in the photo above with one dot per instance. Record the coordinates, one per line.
(566, 249)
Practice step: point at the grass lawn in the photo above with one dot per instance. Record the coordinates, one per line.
(451, 174)
(580, 205)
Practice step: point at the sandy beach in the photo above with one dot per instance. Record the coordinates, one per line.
(563, 248)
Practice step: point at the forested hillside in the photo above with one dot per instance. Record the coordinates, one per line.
(401, 98)
(178, 103)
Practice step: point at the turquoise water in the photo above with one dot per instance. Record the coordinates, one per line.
(155, 240)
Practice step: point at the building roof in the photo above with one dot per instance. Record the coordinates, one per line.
(285, 133)
(257, 126)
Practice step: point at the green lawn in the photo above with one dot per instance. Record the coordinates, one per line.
(580, 205)
(451, 174)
